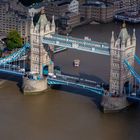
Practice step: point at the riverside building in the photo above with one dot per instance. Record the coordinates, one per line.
(14, 16)
(98, 11)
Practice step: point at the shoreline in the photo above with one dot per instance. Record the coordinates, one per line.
(2, 82)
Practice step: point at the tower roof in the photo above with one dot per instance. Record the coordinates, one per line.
(42, 22)
(123, 33)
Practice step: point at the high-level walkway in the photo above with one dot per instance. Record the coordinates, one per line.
(76, 43)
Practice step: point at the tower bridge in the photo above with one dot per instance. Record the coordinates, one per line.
(43, 40)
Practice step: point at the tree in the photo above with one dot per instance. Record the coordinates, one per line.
(29, 2)
(14, 40)
(0, 53)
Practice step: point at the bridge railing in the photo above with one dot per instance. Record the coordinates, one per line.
(15, 56)
(81, 41)
(54, 81)
(101, 48)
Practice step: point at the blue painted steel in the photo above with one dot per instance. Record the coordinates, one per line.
(54, 81)
(76, 43)
(137, 77)
(132, 71)
(5, 65)
(133, 98)
(45, 70)
(137, 59)
(12, 72)
(15, 56)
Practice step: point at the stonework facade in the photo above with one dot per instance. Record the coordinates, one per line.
(39, 56)
(121, 49)
(74, 6)
(99, 12)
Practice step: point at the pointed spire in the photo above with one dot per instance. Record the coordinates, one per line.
(123, 36)
(42, 10)
(112, 37)
(134, 38)
(53, 24)
(32, 23)
(124, 24)
(134, 34)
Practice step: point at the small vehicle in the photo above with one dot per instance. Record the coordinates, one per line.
(22, 70)
(133, 94)
(52, 75)
(98, 86)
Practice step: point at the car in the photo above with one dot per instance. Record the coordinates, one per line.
(52, 75)
(22, 70)
(133, 94)
(98, 86)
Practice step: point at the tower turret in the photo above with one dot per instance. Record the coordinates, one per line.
(134, 38)
(53, 25)
(122, 50)
(112, 39)
(32, 25)
(39, 56)
(123, 36)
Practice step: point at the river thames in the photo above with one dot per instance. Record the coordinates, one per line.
(68, 114)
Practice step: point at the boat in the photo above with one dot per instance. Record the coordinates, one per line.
(76, 63)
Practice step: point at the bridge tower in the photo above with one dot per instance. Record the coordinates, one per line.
(39, 53)
(39, 56)
(121, 49)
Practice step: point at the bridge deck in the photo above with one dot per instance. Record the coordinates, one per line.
(133, 98)
(79, 44)
(76, 82)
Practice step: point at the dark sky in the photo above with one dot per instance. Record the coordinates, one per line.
(29, 2)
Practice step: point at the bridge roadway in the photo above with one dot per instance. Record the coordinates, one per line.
(76, 43)
(16, 55)
(75, 82)
(12, 69)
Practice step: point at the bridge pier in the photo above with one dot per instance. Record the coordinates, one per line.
(33, 87)
(113, 104)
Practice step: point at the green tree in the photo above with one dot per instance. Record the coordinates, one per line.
(0, 53)
(29, 2)
(14, 40)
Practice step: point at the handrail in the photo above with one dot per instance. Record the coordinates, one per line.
(14, 56)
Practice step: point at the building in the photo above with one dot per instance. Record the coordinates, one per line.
(14, 16)
(65, 12)
(57, 8)
(124, 5)
(70, 20)
(73, 7)
(97, 11)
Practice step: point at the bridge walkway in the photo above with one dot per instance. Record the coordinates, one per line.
(79, 44)
(76, 82)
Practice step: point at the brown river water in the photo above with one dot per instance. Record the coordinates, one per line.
(69, 113)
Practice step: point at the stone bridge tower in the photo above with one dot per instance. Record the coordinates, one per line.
(39, 54)
(121, 49)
